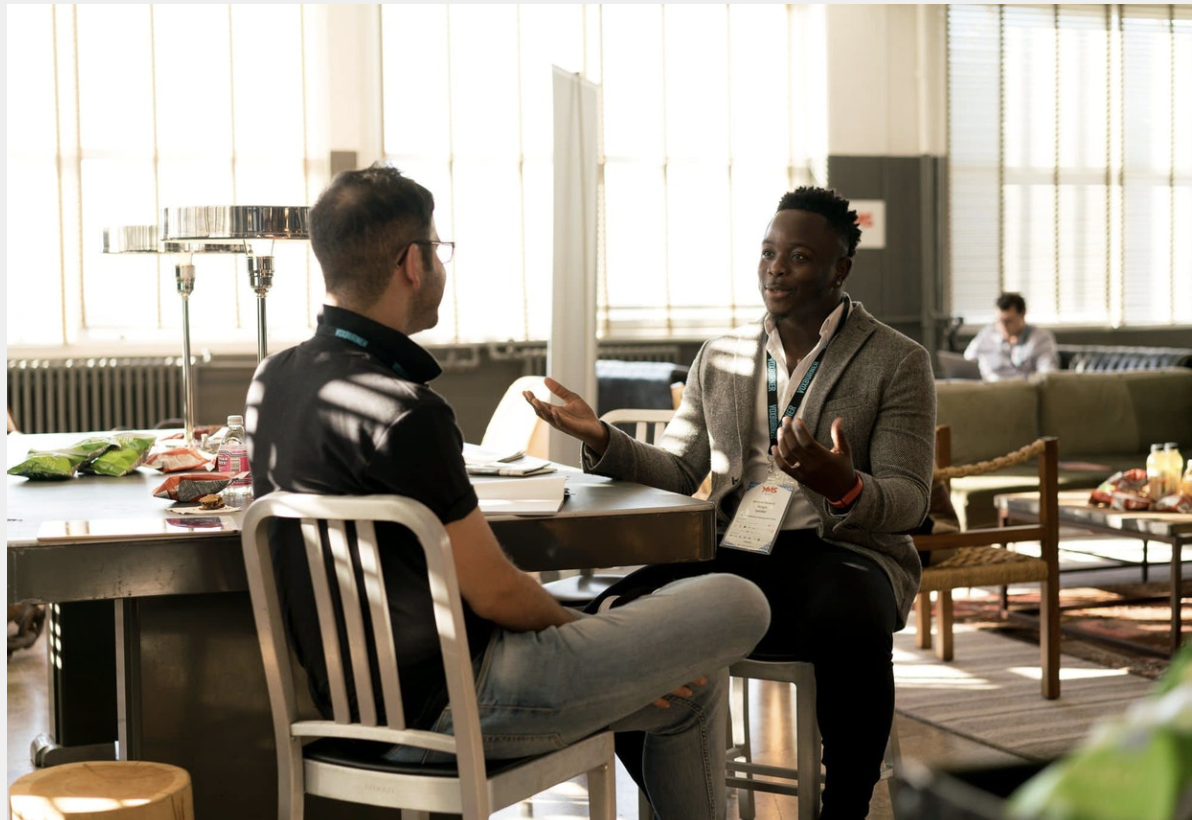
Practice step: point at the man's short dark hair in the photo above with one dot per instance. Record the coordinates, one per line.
(1014, 301)
(362, 223)
(831, 206)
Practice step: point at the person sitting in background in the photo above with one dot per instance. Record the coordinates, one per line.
(1010, 348)
(817, 424)
(350, 412)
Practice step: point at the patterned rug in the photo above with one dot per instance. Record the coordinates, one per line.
(990, 692)
(1094, 610)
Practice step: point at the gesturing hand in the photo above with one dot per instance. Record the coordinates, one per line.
(574, 416)
(682, 692)
(828, 472)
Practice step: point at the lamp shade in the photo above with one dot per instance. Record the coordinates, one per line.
(224, 222)
(144, 239)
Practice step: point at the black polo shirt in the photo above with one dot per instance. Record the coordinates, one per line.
(349, 412)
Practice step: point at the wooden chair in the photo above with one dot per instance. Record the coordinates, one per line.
(340, 530)
(980, 558)
(580, 590)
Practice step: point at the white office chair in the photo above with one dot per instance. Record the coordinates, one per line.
(580, 590)
(341, 529)
(514, 425)
(804, 780)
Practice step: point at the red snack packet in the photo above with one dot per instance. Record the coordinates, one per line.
(175, 459)
(191, 486)
(1129, 484)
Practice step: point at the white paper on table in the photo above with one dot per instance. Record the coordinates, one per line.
(520, 496)
(479, 461)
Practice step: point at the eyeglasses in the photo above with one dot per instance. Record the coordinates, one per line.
(444, 250)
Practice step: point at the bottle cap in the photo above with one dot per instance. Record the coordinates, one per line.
(238, 421)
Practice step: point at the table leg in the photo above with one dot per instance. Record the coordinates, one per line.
(1177, 555)
(128, 679)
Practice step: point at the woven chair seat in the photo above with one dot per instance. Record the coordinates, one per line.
(982, 566)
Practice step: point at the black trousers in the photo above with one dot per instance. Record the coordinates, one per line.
(830, 606)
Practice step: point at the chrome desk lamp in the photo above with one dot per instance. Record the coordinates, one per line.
(144, 239)
(240, 225)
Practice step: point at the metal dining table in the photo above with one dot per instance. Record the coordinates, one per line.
(190, 683)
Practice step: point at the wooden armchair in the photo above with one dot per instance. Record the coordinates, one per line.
(980, 558)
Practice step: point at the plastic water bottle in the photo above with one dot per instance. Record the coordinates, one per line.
(233, 459)
(1156, 473)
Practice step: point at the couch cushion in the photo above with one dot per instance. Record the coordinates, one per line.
(1115, 413)
(988, 419)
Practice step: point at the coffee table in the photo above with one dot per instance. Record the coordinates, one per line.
(1075, 511)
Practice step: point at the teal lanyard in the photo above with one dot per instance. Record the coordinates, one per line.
(801, 390)
(363, 343)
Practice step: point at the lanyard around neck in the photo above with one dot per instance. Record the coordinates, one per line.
(801, 390)
(364, 344)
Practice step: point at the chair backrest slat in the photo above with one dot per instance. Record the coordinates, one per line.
(378, 608)
(356, 647)
(643, 420)
(325, 607)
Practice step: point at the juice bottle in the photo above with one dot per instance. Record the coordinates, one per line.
(1156, 473)
(1175, 466)
(1186, 484)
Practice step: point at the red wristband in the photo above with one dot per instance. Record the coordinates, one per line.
(850, 496)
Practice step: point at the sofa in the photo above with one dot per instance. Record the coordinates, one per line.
(1105, 422)
(1082, 358)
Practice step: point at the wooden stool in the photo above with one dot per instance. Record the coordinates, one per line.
(103, 790)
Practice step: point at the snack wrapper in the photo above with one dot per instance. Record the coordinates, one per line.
(1123, 491)
(128, 454)
(46, 467)
(191, 486)
(61, 463)
(177, 459)
(1177, 503)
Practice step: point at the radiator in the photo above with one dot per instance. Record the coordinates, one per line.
(80, 395)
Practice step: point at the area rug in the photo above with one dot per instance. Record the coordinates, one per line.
(990, 693)
(1093, 610)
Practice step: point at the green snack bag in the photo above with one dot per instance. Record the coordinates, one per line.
(46, 467)
(130, 452)
(60, 463)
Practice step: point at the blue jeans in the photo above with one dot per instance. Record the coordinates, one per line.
(540, 691)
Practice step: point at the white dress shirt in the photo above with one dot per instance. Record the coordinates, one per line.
(800, 514)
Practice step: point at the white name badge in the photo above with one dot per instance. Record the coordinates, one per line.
(755, 526)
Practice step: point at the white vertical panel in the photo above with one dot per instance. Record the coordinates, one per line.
(571, 350)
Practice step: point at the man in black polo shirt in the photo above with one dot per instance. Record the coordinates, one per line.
(349, 412)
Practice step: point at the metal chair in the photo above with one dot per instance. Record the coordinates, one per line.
(340, 531)
(804, 780)
(580, 590)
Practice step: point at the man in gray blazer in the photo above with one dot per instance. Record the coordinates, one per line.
(817, 425)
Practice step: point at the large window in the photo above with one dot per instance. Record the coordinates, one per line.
(117, 111)
(1070, 145)
(707, 115)
(702, 123)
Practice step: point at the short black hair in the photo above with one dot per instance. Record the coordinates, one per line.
(1013, 301)
(831, 206)
(361, 223)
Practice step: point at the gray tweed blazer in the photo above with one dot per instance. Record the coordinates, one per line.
(873, 377)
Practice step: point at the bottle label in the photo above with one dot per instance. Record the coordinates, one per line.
(234, 460)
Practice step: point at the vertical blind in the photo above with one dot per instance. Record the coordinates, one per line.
(1070, 147)
(700, 135)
